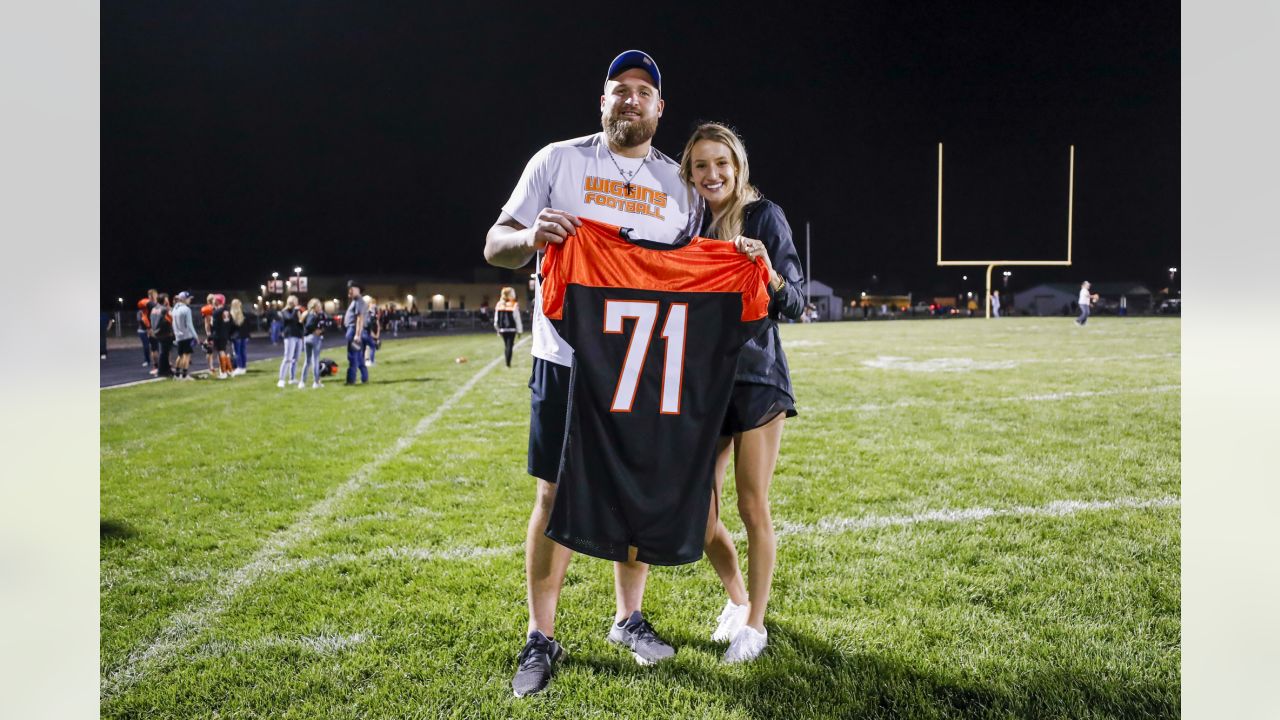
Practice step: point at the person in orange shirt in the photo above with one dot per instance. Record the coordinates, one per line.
(144, 329)
(210, 355)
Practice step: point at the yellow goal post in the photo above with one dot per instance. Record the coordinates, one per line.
(991, 264)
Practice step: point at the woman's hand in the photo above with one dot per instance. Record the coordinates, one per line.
(753, 249)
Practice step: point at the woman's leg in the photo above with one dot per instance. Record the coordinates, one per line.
(508, 343)
(285, 363)
(756, 459)
(718, 544)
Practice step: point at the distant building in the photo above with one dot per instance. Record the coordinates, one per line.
(1060, 298)
(829, 305)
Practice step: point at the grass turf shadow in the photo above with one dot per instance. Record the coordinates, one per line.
(115, 530)
(801, 676)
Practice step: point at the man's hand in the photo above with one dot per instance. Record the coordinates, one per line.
(553, 227)
(510, 244)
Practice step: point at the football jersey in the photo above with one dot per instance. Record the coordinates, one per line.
(579, 176)
(656, 331)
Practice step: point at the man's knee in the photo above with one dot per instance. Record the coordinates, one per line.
(546, 498)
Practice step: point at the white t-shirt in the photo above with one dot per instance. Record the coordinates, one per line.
(579, 177)
(1084, 296)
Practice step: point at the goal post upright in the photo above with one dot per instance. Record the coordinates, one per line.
(991, 264)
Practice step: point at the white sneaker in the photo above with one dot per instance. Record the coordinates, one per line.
(746, 646)
(731, 618)
(146, 364)
(238, 371)
(302, 386)
(279, 383)
(316, 385)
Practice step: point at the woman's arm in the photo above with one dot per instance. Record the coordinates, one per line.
(775, 232)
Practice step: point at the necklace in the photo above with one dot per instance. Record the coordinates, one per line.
(626, 176)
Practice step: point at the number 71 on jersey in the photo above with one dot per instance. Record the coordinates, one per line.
(645, 314)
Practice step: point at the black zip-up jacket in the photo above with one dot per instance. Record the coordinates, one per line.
(762, 360)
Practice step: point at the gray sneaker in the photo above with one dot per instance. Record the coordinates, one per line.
(636, 633)
(535, 664)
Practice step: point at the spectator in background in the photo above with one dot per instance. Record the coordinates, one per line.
(162, 332)
(184, 332)
(353, 321)
(144, 328)
(1085, 300)
(372, 329)
(240, 331)
(105, 323)
(291, 333)
(995, 303)
(276, 325)
(506, 320)
(314, 323)
(206, 321)
(222, 327)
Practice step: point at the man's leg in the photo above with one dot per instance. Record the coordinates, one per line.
(352, 357)
(545, 563)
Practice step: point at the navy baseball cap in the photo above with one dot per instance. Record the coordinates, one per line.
(635, 59)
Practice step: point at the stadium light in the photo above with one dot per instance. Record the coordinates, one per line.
(297, 271)
(1172, 271)
(120, 300)
(1007, 273)
(275, 275)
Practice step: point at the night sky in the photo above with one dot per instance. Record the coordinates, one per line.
(360, 138)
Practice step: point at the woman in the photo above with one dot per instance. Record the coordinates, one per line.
(506, 320)
(313, 327)
(239, 338)
(291, 329)
(715, 164)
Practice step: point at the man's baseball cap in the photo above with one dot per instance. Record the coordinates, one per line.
(184, 295)
(635, 59)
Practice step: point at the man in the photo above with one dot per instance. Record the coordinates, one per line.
(995, 303)
(184, 331)
(1085, 300)
(206, 315)
(162, 331)
(617, 177)
(353, 321)
(144, 328)
(220, 333)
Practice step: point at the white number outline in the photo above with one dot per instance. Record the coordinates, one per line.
(674, 331)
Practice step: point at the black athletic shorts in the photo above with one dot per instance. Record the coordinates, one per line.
(753, 405)
(154, 343)
(184, 347)
(220, 344)
(548, 417)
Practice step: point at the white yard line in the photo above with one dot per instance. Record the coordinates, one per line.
(826, 526)
(1058, 508)
(1044, 397)
(193, 620)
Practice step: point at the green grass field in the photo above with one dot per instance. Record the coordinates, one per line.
(978, 519)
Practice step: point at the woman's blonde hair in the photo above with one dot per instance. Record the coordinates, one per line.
(729, 225)
(314, 305)
(237, 311)
(291, 301)
(509, 293)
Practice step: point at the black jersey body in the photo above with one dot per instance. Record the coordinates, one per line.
(656, 333)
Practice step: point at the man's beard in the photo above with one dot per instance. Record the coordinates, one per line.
(628, 133)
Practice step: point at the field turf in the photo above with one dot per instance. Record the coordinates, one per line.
(978, 518)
